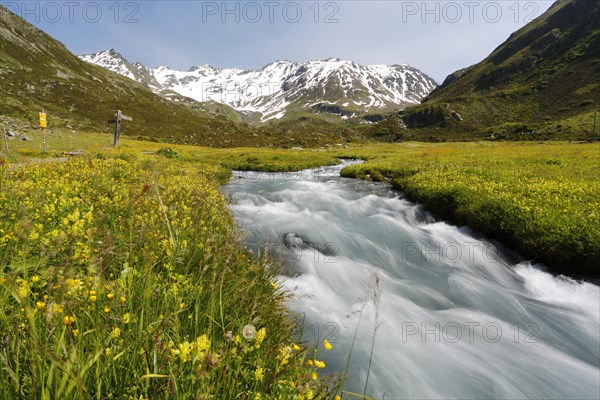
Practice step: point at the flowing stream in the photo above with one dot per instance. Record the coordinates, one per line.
(424, 309)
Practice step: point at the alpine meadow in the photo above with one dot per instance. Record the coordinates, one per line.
(304, 213)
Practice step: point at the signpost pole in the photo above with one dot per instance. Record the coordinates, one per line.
(117, 128)
(118, 118)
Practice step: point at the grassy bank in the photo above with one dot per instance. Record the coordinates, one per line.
(60, 141)
(540, 199)
(121, 277)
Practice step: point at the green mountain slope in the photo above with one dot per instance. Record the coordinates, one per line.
(38, 72)
(543, 81)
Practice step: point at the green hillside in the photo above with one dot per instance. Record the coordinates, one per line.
(38, 73)
(542, 82)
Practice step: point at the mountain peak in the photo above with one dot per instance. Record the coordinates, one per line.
(272, 88)
(201, 67)
(108, 53)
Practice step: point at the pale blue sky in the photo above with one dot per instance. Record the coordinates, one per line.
(251, 34)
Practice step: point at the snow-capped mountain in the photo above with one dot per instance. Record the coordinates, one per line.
(114, 61)
(284, 85)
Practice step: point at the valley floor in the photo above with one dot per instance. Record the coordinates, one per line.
(121, 273)
(539, 198)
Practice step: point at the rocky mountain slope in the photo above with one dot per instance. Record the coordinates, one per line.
(329, 86)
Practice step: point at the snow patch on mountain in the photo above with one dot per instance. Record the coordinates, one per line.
(112, 60)
(272, 89)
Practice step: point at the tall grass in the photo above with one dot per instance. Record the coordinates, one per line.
(121, 277)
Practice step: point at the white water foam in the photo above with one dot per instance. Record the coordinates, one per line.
(452, 318)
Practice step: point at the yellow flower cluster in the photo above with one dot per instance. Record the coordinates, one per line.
(316, 363)
(195, 351)
(260, 337)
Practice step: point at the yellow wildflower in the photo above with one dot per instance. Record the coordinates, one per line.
(201, 345)
(106, 309)
(185, 350)
(327, 345)
(40, 305)
(115, 333)
(110, 295)
(123, 299)
(23, 290)
(126, 318)
(259, 374)
(68, 320)
(284, 355)
(35, 279)
(260, 336)
(57, 308)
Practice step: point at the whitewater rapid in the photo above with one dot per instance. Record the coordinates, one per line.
(454, 316)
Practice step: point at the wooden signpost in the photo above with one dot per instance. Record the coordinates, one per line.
(43, 126)
(5, 140)
(118, 118)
